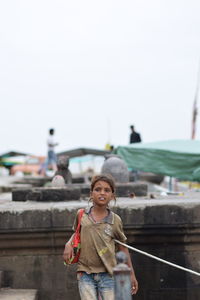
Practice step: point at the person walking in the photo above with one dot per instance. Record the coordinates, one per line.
(134, 136)
(99, 227)
(51, 155)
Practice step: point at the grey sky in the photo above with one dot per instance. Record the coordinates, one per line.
(90, 69)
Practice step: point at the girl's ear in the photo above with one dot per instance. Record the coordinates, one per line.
(114, 197)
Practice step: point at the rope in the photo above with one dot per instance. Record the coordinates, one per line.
(157, 258)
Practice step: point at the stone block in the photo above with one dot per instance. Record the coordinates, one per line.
(65, 219)
(20, 194)
(78, 179)
(131, 189)
(18, 294)
(1, 279)
(47, 194)
(85, 189)
(25, 220)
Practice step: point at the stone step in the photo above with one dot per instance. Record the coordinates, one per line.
(17, 294)
(1, 279)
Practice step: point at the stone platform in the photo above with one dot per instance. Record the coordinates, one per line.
(74, 192)
(32, 237)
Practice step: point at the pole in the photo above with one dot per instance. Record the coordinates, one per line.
(170, 184)
(122, 280)
(195, 110)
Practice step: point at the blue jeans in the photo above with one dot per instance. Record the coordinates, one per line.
(91, 286)
(51, 160)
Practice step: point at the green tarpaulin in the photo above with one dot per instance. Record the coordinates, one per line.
(176, 158)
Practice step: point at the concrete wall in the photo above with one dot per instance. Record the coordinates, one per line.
(32, 236)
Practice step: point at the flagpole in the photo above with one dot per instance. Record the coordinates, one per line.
(195, 110)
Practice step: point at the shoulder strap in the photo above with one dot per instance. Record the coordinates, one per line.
(80, 214)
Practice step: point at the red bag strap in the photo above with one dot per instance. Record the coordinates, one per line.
(80, 214)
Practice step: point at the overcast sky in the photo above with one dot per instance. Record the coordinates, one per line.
(91, 68)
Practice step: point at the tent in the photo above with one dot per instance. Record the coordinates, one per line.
(175, 158)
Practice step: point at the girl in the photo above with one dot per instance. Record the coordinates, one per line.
(99, 228)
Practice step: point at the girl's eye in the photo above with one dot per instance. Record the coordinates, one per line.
(106, 190)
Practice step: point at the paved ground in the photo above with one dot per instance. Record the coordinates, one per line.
(17, 294)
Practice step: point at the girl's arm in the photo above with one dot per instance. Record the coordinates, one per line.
(68, 251)
(134, 283)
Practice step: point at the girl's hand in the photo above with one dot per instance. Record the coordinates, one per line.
(68, 252)
(134, 284)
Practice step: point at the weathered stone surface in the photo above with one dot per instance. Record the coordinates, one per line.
(47, 194)
(84, 187)
(35, 181)
(75, 191)
(32, 237)
(58, 181)
(131, 189)
(116, 167)
(25, 220)
(78, 179)
(38, 181)
(20, 194)
(18, 294)
(63, 169)
(1, 279)
(10, 188)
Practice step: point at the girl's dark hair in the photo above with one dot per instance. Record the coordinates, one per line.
(103, 177)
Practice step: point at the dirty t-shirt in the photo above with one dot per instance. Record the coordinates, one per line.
(97, 242)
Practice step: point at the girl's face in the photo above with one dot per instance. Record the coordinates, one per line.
(101, 194)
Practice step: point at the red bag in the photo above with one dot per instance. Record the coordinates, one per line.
(76, 241)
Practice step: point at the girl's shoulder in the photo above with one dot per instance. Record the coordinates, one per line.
(116, 218)
(80, 210)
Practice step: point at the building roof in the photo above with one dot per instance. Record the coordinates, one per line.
(83, 151)
(13, 153)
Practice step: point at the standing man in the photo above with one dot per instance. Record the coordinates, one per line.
(51, 158)
(134, 136)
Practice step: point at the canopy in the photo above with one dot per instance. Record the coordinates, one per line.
(176, 158)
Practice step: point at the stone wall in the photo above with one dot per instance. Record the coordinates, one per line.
(32, 236)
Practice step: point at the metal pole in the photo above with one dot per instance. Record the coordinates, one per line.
(122, 280)
(170, 184)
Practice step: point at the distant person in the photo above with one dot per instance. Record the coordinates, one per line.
(111, 148)
(51, 156)
(134, 136)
